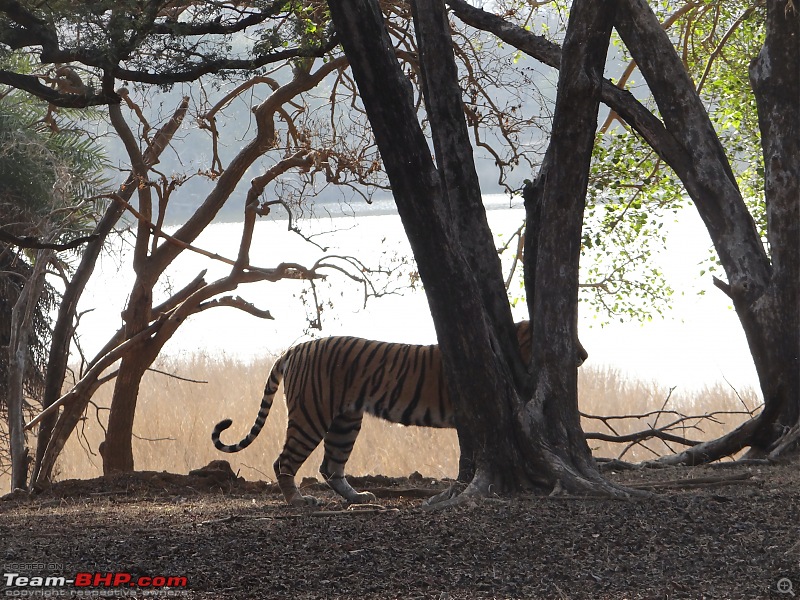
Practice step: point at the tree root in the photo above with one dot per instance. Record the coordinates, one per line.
(787, 444)
(482, 486)
(571, 484)
(711, 451)
(442, 498)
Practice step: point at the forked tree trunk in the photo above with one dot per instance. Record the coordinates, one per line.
(517, 442)
(765, 290)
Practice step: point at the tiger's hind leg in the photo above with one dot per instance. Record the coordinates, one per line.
(339, 442)
(300, 442)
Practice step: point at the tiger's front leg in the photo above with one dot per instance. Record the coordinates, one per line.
(340, 485)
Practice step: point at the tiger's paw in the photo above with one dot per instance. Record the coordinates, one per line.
(362, 498)
(304, 501)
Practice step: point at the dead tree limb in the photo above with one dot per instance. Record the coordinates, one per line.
(34, 243)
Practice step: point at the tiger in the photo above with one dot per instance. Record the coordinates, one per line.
(329, 384)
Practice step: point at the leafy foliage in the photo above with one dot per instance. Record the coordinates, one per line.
(49, 166)
(631, 191)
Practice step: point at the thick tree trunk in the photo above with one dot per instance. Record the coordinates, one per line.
(441, 212)
(456, 166)
(462, 197)
(554, 208)
(475, 370)
(774, 334)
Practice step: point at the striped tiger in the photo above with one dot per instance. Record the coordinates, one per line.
(331, 382)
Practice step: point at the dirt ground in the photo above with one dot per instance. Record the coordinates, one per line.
(724, 532)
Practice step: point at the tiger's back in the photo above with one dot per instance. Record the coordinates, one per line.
(401, 383)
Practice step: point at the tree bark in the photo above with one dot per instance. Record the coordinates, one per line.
(461, 195)
(772, 321)
(474, 370)
(456, 167)
(554, 209)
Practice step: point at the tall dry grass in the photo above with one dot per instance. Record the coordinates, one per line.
(174, 419)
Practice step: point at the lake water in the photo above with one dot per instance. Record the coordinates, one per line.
(698, 343)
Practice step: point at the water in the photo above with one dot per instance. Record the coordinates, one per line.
(700, 342)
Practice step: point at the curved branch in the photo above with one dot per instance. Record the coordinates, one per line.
(236, 302)
(215, 66)
(32, 242)
(32, 85)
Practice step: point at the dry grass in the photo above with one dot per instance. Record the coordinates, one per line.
(175, 418)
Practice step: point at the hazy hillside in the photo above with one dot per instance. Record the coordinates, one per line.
(191, 149)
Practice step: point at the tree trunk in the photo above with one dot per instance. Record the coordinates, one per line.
(450, 239)
(18, 353)
(117, 449)
(461, 194)
(456, 167)
(554, 209)
(474, 370)
(774, 334)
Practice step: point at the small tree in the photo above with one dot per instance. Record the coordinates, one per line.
(283, 134)
(48, 168)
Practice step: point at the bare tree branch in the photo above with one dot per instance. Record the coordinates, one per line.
(35, 243)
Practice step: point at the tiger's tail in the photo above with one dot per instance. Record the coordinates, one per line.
(271, 388)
